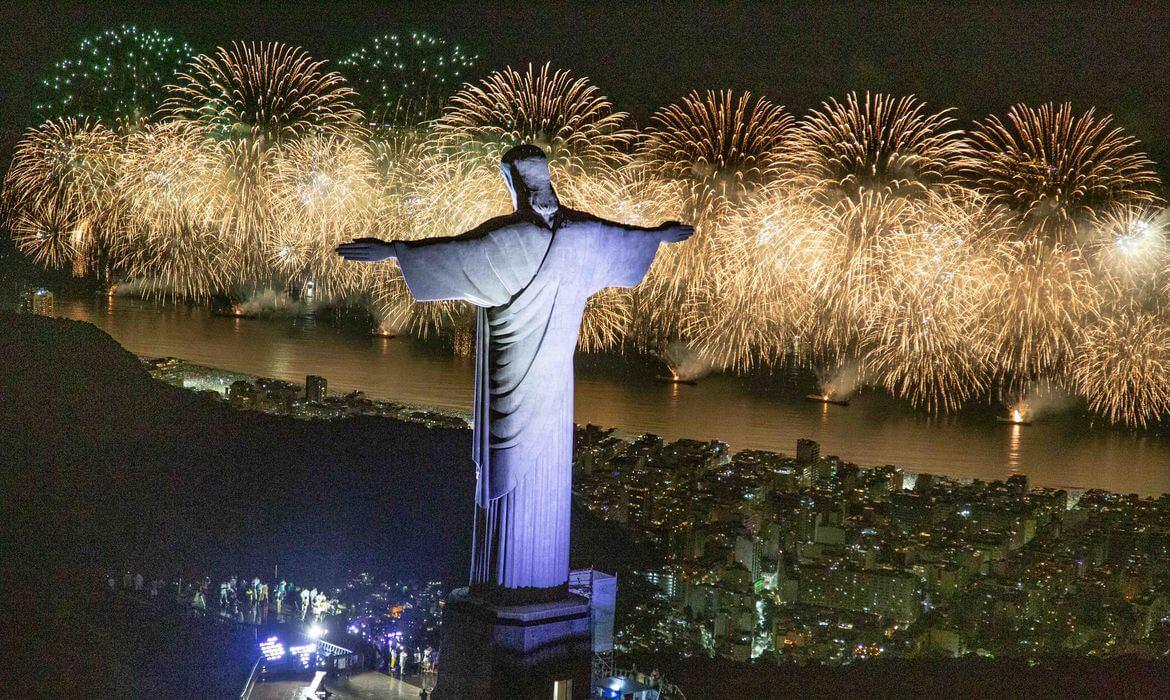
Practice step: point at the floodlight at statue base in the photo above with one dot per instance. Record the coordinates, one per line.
(514, 651)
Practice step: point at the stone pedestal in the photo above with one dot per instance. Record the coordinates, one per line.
(514, 651)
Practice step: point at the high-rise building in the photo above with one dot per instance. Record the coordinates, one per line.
(808, 451)
(1018, 485)
(315, 388)
(37, 301)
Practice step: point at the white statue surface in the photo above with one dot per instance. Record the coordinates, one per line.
(529, 274)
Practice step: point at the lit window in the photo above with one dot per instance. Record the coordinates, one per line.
(563, 689)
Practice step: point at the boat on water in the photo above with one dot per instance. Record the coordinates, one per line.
(1016, 418)
(675, 380)
(820, 398)
(232, 313)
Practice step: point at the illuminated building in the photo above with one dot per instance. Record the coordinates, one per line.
(315, 388)
(37, 301)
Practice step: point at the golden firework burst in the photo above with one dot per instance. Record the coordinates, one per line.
(1122, 367)
(1056, 169)
(879, 144)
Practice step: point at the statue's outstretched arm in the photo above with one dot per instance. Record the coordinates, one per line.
(367, 250)
(376, 250)
(667, 232)
(622, 254)
(484, 266)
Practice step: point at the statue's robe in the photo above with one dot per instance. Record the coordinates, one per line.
(530, 285)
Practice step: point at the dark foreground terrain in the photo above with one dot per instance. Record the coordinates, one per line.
(103, 468)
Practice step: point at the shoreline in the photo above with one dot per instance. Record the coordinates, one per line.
(424, 414)
(767, 412)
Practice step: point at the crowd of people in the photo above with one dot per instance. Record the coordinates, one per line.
(252, 600)
(397, 651)
(399, 661)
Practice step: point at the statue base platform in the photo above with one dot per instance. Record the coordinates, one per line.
(533, 651)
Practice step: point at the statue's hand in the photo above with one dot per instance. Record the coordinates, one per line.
(366, 250)
(674, 232)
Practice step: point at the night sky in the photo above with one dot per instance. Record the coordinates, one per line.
(979, 58)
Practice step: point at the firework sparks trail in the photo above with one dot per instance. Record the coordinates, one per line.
(942, 265)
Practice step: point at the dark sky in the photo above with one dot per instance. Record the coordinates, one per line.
(978, 58)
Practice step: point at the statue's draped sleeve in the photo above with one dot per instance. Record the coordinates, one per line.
(486, 266)
(623, 255)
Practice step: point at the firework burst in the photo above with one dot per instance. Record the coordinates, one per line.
(170, 235)
(722, 146)
(118, 77)
(325, 192)
(1056, 170)
(720, 149)
(566, 116)
(264, 93)
(49, 234)
(403, 79)
(923, 339)
(1038, 298)
(248, 101)
(768, 278)
(1122, 368)
(878, 144)
(60, 195)
(1131, 255)
(72, 161)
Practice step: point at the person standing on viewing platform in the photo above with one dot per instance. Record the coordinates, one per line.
(305, 595)
(281, 590)
(320, 603)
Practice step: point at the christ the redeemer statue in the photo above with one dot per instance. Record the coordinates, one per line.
(529, 273)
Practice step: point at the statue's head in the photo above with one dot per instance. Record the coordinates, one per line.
(525, 169)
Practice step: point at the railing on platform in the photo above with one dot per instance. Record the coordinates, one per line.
(666, 690)
(341, 658)
(253, 677)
